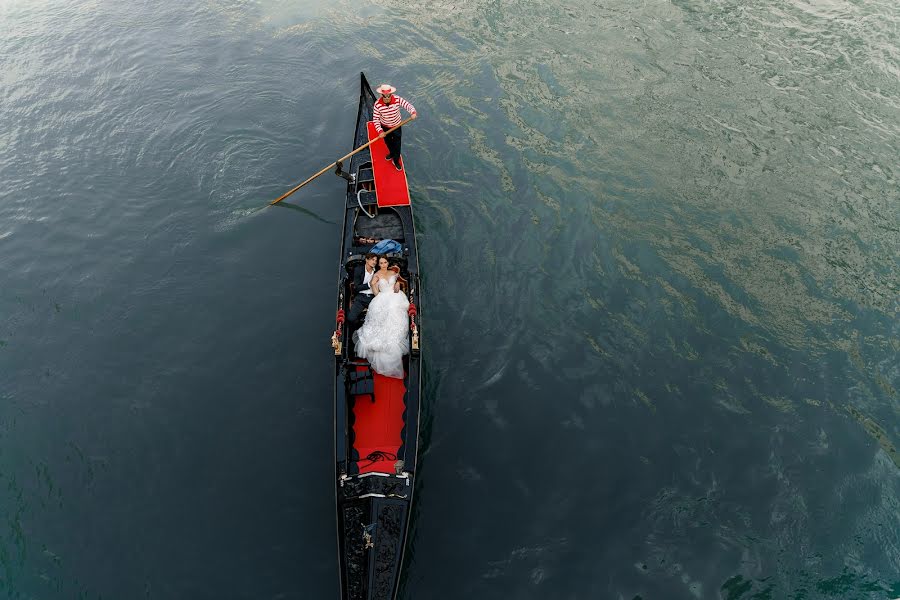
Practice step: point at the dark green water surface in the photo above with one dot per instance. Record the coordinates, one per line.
(661, 245)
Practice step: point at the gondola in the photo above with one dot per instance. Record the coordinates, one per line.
(376, 418)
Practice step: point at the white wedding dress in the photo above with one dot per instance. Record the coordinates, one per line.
(384, 337)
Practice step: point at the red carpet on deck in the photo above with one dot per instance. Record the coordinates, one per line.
(378, 424)
(390, 184)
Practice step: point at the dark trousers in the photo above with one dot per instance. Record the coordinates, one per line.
(393, 142)
(359, 304)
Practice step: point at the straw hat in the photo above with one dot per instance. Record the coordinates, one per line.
(386, 89)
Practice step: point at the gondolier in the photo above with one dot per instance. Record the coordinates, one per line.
(386, 114)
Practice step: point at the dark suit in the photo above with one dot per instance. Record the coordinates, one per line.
(360, 300)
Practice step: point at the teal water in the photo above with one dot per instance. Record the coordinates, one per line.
(661, 246)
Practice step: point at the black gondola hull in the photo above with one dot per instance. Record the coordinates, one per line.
(373, 497)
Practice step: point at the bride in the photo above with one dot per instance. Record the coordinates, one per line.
(384, 337)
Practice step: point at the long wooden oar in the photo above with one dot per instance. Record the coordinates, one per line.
(342, 159)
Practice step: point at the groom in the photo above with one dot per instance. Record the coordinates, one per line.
(362, 276)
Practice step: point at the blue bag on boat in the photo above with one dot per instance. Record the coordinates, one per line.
(386, 247)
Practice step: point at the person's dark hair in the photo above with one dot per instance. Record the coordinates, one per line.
(380, 256)
(371, 255)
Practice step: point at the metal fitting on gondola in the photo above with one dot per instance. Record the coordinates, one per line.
(368, 532)
(412, 325)
(336, 341)
(350, 177)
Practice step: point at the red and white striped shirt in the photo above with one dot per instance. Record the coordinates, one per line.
(388, 115)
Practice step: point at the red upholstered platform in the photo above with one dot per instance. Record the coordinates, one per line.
(390, 184)
(378, 425)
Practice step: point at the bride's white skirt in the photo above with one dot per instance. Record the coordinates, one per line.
(384, 337)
